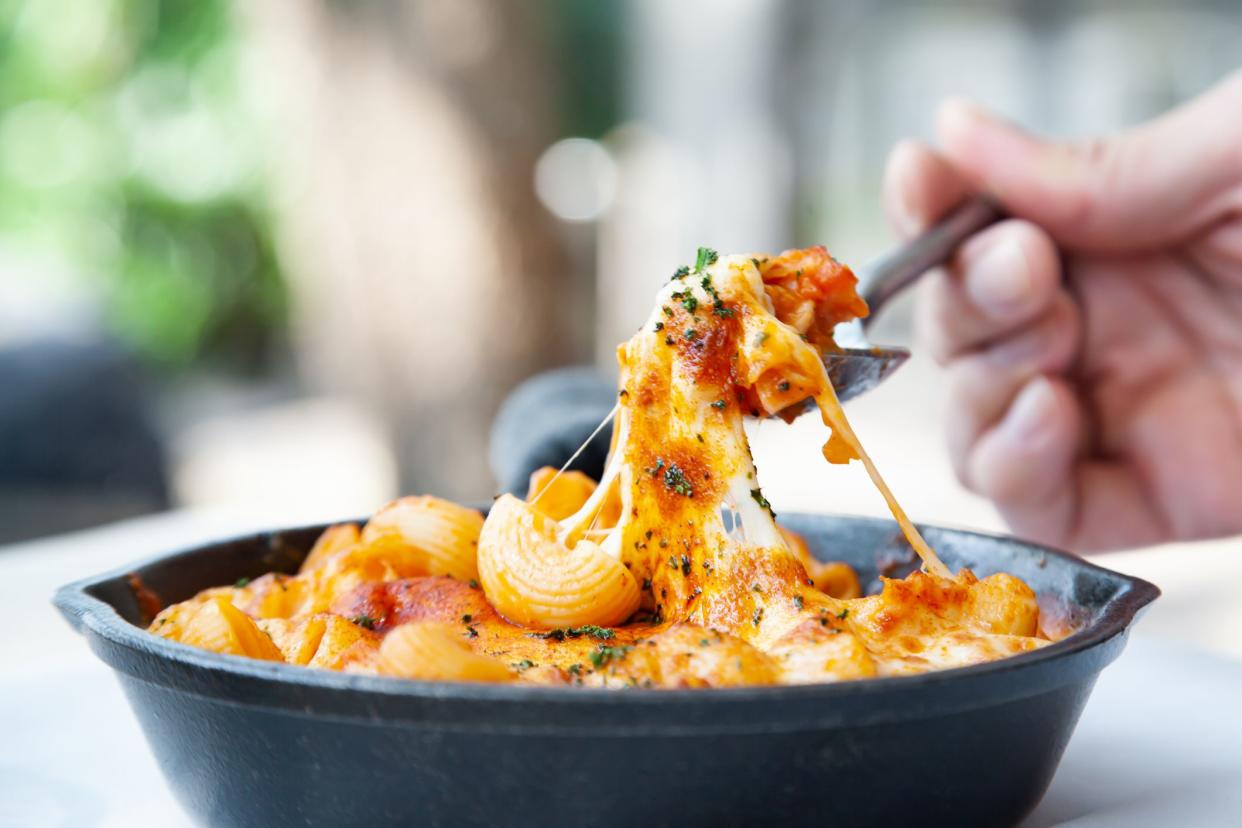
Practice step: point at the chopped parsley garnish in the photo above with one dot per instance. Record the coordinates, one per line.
(241, 582)
(669, 340)
(523, 665)
(603, 654)
(561, 633)
(705, 257)
(719, 405)
(718, 306)
(841, 616)
(783, 385)
(659, 326)
(675, 479)
(471, 632)
(691, 334)
(667, 310)
(757, 616)
(799, 602)
(762, 501)
(681, 272)
(592, 630)
(575, 669)
(689, 302)
(365, 621)
(473, 584)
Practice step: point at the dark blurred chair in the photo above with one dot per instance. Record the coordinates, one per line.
(76, 445)
(546, 419)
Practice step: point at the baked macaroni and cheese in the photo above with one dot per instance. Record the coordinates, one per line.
(671, 570)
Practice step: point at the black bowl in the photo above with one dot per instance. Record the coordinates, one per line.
(246, 742)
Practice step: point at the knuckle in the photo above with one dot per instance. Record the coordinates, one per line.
(936, 326)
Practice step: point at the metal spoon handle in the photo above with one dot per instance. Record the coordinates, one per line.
(884, 277)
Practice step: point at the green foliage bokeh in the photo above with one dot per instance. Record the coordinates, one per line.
(130, 171)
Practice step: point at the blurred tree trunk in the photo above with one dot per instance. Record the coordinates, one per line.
(425, 276)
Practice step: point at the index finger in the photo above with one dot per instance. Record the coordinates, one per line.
(920, 186)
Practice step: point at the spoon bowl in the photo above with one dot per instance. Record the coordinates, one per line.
(860, 366)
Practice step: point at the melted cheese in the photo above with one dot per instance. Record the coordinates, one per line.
(724, 598)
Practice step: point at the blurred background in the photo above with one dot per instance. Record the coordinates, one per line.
(288, 256)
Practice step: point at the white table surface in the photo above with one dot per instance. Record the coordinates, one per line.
(1160, 743)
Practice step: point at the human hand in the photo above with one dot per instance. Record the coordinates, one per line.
(1093, 342)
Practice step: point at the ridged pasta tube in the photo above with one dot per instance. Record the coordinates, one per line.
(333, 540)
(223, 628)
(532, 579)
(435, 652)
(426, 536)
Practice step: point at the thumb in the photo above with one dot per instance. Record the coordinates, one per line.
(1143, 187)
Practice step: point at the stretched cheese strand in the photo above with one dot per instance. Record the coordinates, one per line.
(834, 418)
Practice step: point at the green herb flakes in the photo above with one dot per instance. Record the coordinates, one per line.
(758, 497)
(675, 479)
(604, 654)
(705, 258)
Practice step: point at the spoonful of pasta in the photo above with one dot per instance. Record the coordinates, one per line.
(558, 415)
(855, 365)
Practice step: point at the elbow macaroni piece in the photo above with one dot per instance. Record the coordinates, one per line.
(297, 640)
(833, 578)
(219, 626)
(334, 539)
(426, 536)
(531, 578)
(558, 495)
(435, 652)
(561, 495)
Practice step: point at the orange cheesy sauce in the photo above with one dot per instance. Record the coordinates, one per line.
(671, 570)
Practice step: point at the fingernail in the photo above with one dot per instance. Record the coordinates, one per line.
(958, 114)
(901, 171)
(1000, 282)
(1030, 415)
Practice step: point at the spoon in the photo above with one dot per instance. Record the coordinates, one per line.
(860, 366)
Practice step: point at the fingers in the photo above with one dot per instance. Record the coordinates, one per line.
(986, 384)
(1082, 515)
(1029, 465)
(1149, 185)
(1000, 279)
(1025, 459)
(919, 187)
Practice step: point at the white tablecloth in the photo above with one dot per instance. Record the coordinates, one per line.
(1159, 745)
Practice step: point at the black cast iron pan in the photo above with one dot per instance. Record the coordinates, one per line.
(246, 742)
